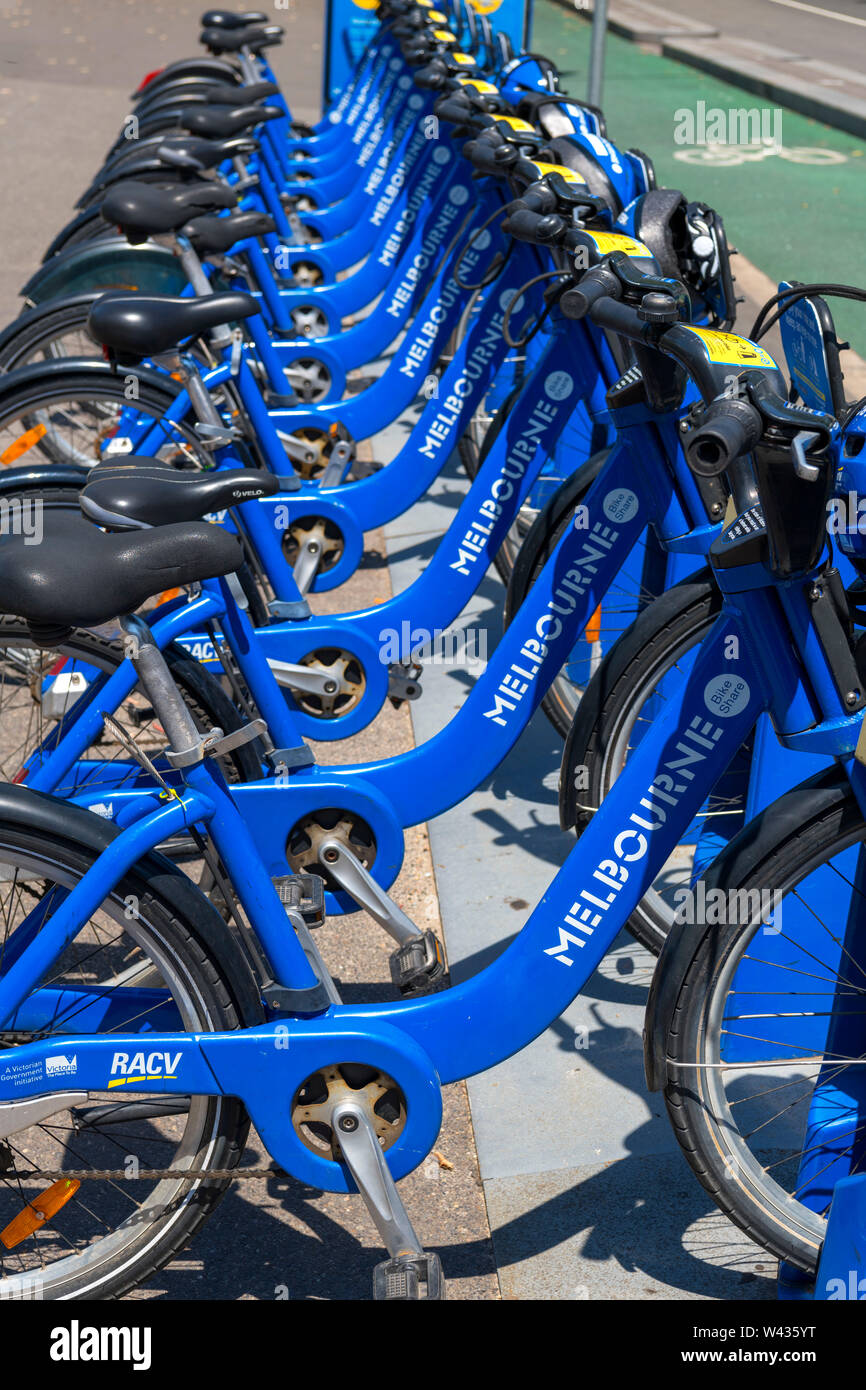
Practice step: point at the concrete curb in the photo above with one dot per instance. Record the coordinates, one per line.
(717, 60)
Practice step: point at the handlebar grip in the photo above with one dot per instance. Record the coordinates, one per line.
(542, 229)
(455, 109)
(596, 284)
(494, 160)
(729, 429)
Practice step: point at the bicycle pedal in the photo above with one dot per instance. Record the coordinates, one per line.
(306, 894)
(419, 965)
(409, 1280)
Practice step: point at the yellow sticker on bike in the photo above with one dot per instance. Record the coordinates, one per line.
(516, 123)
(569, 175)
(444, 36)
(606, 242)
(465, 59)
(438, 17)
(486, 89)
(730, 349)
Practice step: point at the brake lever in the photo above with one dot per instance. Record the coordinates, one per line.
(809, 472)
(777, 411)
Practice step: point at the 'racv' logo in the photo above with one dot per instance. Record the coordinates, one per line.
(128, 1067)
(458, 195)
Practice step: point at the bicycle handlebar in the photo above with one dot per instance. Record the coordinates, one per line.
(732, 426)
(539, 228)
(729, 429)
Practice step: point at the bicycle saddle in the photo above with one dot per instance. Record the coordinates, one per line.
(142, 492)
(142, 325)
(191, 151)
(228, 19)
(218, 122)
(211, 236)
(254, 37)
(80, 576)
(226, 94)
(143, 209)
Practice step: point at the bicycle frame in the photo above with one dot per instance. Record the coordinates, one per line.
(417, 785)
(481, 1022)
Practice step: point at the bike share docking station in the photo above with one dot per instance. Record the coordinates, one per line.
(350, 26)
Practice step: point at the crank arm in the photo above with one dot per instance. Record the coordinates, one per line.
(366, 1162)
(335, 469)
(355, 880)
(306, 566)
(297, 449)
(305, 678)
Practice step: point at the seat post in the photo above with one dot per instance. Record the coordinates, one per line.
(156, 679)
(249, 66)
(204, 409)
(191, 265)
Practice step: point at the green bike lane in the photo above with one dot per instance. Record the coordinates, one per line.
(797, 220)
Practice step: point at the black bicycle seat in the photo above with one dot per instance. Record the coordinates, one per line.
(254, 37)
(80, 576)
(144, 209)
(219, 122)
(228, 19)
(212, 236)
(192, 152)
(227, 94)
(142, 492)
(142, 325)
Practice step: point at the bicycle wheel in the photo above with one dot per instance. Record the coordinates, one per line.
(52, 330)
(765, 1050)
(69, 414)
(111, 1234)
(650, 661)
(39, 688)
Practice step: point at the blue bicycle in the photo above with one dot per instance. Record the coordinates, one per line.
(117, 976)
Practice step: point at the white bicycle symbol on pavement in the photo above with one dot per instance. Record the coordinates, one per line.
(724, 156)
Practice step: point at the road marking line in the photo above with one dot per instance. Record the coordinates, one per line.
(816, 9)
